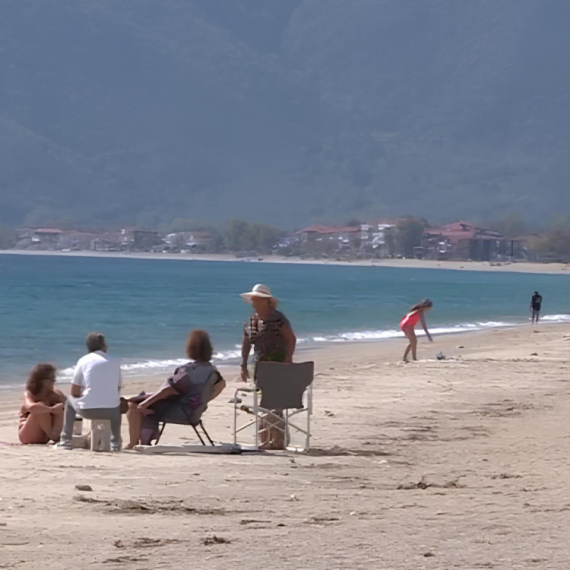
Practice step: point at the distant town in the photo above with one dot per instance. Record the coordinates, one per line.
(374, 239)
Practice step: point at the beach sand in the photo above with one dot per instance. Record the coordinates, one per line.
(460, 463)
(518, 267)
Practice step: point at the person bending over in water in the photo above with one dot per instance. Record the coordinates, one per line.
(41, 415)
(408, 325)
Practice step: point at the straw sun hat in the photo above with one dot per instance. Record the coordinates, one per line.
(262, 291)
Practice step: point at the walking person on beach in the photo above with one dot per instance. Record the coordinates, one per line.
(408, 325)
(95, 391)
(41, 415)
(536, 306)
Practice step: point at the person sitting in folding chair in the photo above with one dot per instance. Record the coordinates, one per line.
(270, 333)
(188, 390)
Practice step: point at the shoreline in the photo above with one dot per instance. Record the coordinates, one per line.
(519, 267)
(308, 347)
(312, 351)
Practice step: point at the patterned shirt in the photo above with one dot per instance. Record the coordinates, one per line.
(267, 336)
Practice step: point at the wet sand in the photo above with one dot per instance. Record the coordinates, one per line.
(459, 463)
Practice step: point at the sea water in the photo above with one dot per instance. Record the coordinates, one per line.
(146, 307)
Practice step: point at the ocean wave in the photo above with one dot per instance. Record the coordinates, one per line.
(135, 367)
(556, 318)
(365, 335)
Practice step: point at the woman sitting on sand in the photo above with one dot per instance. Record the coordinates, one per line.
(179, 395)
(41, 415)
(408, 325)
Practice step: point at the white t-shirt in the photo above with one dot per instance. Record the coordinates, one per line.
(100, 377)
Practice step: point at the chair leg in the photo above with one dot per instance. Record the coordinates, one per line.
(308, 438)
(206, 433)
(199, 436)
(160, 433)
(256, 414)
(235, 419)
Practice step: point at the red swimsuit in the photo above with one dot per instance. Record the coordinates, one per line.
(410, 321)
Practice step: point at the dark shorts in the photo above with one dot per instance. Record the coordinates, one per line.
(164, 411)
(536, 308)
(170, 412)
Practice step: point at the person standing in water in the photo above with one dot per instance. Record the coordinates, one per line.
(408, 326)
(536, 306)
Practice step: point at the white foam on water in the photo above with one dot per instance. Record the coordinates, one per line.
(556, 318)
(134, 368)
(366, 335)
(65, 375)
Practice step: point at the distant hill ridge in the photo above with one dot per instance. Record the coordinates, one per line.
(291, 112)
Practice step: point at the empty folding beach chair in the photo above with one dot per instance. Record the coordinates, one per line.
(278, 409)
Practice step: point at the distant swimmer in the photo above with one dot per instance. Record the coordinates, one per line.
(408, 325)
(536, 306)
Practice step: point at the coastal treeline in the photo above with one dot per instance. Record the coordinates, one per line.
(508, 238)
(549, 241)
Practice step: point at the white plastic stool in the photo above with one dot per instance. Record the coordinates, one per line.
(100, 435)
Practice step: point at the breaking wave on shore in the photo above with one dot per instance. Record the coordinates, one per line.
(138, 368)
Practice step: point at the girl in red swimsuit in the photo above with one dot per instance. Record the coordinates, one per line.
(408, 325)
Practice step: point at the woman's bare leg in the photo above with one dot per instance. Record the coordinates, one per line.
(411, 336)
(135, 424)
(414, 345)
(57, 424)
(407, 351)
(36, 429)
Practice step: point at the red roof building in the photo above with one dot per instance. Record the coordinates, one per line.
(464, 240)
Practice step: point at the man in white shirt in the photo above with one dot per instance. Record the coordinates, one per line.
(95, 391)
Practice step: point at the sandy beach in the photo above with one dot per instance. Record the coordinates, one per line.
(459, 463)
(519, 267)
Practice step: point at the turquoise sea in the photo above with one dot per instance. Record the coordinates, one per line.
(147, 307)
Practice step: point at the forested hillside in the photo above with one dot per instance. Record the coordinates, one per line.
(285, 111)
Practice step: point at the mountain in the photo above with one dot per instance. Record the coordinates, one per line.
(283, 111)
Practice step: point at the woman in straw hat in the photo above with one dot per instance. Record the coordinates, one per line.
(269, 332)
